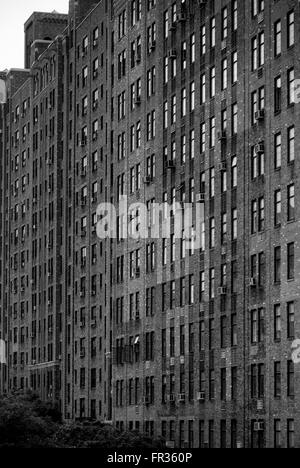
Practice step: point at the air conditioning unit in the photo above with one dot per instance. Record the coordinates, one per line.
(147, 180)
(260, 115)
(93, 323)
(223, 44)
(82, 294)
(222, 135)
(33, 362)
(173, 26)
(182, 360)
(94, 260)
(260, 17)
(171, 398)
(172, 362)
(259, 426)
(259, 148)
(138, 101)
(95, 105)
(170, 164)
(83, 202)
(201, 396)
(181, 397)
(94, 293)
(223, 166)
(200, 198)
(170, 444)
(181, 18)
(32, 336)
(95, 43)
(222, 291)
(95, 136)
(253, 283)
(152, 45)
(172, 54)
(83, 172)
(82, 324)
(50, 331)
(146, 400)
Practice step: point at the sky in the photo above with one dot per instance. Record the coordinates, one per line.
(13, 15)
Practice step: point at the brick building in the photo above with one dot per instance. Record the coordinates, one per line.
(162, 101)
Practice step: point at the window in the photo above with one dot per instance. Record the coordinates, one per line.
(173, 110)
(234, 119)
(254, 217)
(277, 94)
(290, 433)
(213, 32)
(278, 150)
(258, 6)
(234, 69)
(223, 384)
(234, 172)
(193, 48)
(277, 208)
(277, 38)
(233, 330)
(224, 23)
(291, 144)
(291, 86)
(202, 41)
(224, 80)
(254, 62)
(212, 283)
(258, 51)
(277, 322)
(277, 264)
(183, 102)
(290, 29)
(290, 379)
(277, 379)
(291, 320)
(234, 228)
(122, 24)
(291, 261)
(202, 89)
(291, 202)
(212, 81)
(261, 214)
(212, 132)
(234, 434)
(192, 96)
(277, 433)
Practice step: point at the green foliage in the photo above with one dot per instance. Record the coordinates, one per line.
(27, 422)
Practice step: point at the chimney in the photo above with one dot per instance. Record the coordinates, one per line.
(79, 9)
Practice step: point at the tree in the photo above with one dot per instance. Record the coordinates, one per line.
(27, 422)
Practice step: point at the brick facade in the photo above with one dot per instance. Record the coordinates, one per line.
(213, 365)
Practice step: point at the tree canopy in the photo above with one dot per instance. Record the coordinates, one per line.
(27, 422)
